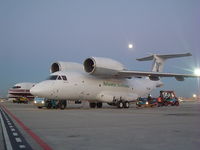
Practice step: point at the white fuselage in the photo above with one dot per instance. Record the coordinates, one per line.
(81, 86)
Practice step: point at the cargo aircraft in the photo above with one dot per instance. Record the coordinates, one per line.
(104, 80)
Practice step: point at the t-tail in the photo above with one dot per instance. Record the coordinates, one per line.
(159, 60)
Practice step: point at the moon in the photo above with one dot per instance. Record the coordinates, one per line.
(130, 46)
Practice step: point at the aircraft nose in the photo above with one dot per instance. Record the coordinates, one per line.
(39, 90)
(36, 91)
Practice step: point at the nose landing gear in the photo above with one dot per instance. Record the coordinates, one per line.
(56, 104)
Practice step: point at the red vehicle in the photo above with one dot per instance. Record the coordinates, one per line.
(167, 98)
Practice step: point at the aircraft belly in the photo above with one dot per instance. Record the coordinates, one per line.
(109, 96)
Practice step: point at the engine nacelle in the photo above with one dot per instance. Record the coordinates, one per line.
(65, 66)
(102, 66)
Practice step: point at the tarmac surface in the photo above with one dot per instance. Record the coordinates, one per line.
(80, 128)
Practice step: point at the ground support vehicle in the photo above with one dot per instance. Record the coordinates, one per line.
(21, 100)
(145, 102)
(167, 98)
(39, 102)
(43, 102)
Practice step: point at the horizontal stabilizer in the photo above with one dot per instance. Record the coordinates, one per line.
(158, 60)
(164, 56)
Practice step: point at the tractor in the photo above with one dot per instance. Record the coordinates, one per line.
(167, 98)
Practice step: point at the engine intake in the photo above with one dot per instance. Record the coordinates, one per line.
(89, 65)
(55, 67)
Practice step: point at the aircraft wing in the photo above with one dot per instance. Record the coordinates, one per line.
(154, 75)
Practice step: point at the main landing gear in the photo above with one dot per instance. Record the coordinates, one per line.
(120, 103)
(96, 105)
(123, 104)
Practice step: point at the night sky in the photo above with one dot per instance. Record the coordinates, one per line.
(33, 34)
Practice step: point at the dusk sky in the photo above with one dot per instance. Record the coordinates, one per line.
(33, 34)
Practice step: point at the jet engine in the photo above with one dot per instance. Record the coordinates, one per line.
(65, 66)
(102, 66)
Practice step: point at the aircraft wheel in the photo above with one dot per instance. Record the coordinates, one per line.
(165, 103)
(111, 104)
(99, 105)
(93, 105)
(177, 103)
(39, 107)
(120, 104)
(126, 104)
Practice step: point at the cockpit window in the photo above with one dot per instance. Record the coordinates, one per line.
(64, 77)
(16, 87)
(54, 77)
(59, 78)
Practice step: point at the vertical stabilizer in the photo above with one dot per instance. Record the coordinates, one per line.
(158, 60)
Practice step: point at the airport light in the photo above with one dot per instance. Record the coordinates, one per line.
(197, 71)
(194, 95)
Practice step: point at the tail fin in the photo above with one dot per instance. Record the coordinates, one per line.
(158, 60)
